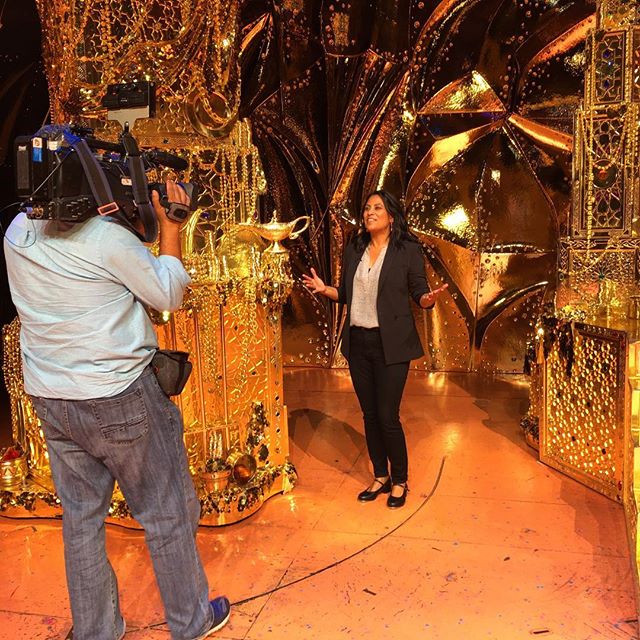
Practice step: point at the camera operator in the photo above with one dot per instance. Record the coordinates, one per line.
(87, 344)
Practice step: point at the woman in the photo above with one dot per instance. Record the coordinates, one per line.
(382, 267)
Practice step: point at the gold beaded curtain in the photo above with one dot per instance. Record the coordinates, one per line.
(463, 107)
(189, 48)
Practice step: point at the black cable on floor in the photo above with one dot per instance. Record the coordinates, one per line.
(338, 562)
(6, 517)
(297, 580)
(119, 525)
(355, 553)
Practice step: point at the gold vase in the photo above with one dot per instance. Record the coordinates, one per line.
(243, 466)
(216, 481)
(13, 472)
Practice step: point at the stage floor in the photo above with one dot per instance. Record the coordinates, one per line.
(505, 547)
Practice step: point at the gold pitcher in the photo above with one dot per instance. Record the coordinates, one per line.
(277, 231)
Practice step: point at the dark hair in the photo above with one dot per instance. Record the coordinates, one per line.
(399, 229)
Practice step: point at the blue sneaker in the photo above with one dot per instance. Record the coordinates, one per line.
(221, 612)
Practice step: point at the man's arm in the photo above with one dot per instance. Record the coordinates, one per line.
(158, 282)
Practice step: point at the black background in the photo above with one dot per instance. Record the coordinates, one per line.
(24, 104)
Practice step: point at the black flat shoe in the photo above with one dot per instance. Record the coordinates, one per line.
(394, 502)
(368, 496)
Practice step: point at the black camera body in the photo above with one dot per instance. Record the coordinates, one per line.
(52, 181)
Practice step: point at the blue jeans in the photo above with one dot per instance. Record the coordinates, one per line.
(135, 438)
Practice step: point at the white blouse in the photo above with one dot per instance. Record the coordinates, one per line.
(364, 312)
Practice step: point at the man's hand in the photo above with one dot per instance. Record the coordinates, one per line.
(175, 194)
(170, 229)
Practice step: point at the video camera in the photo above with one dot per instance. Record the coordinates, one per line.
(63, 173)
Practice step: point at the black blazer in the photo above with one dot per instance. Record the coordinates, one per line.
(402, 275)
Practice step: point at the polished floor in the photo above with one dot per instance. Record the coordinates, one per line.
(491, 543)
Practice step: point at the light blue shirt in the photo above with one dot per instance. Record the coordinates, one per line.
(79, 290)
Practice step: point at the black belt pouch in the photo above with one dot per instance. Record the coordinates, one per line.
(172, 369)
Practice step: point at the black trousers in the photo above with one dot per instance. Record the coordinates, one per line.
(379, 389)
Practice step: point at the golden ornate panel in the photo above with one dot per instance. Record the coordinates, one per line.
(609, 56)
(583, 432)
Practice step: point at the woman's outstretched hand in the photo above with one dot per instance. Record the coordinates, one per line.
(429, 299)
(314, 282)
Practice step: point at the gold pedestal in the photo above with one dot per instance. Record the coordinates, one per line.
(233, 406)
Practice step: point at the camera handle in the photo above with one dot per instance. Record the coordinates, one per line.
(102, 191)
(139, 186)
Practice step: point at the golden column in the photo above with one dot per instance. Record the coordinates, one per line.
(583, 348)
(600, 257)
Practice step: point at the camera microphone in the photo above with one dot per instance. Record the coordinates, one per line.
(166, 159)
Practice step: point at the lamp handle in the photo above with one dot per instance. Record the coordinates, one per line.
(306, 220)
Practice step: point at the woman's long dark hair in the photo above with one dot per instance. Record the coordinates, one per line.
(399, 229)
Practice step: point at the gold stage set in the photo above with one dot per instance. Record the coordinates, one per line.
(526, 200)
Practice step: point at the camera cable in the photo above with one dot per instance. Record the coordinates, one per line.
(286, 585)
(3, 233)
(337, 563)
